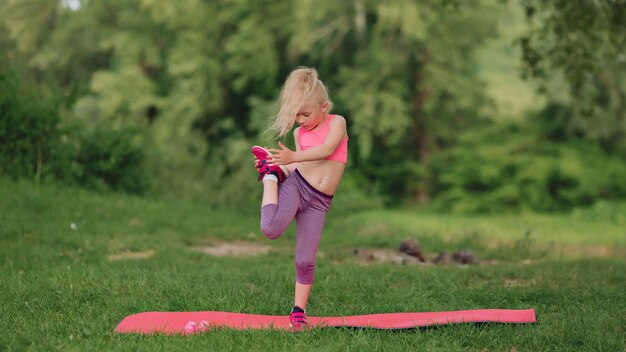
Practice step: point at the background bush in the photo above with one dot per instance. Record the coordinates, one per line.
(36, 142)
(505, 167)
(101, 158)
(28, 131)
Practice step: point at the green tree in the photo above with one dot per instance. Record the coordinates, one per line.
(404, 73)
(200, 78)
(585, 42)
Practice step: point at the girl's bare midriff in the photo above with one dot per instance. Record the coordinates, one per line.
(323, 175)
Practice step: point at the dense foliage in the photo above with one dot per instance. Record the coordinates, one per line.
(585, 43)
(27, 128)
(509, 167)
(195, 82)
(35, 141)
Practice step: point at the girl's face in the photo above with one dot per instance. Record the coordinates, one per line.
(311, 114)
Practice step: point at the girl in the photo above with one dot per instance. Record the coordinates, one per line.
(300, 184)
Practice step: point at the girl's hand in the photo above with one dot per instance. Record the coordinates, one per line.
(282, 156)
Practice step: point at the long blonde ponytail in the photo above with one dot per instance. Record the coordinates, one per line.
(301, 86)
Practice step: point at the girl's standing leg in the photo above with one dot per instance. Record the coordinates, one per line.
(302, 294)
(309, 226)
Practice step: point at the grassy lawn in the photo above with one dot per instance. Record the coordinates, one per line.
(74, 263)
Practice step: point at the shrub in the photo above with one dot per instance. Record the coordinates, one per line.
(107, 158)
(508, 169)
(34, 141)
(27, 128)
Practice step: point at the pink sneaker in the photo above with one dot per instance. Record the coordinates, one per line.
(298, 322)
(262, 166)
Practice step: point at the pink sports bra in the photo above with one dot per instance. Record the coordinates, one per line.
(309, 139)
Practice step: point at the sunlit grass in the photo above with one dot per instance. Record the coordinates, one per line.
(60, 289)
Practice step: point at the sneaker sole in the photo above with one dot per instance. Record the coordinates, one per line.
(260, 152)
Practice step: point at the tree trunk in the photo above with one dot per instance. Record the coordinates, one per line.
(39, 163)
(420, 130)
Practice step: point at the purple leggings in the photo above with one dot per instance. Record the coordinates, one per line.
(297, 198)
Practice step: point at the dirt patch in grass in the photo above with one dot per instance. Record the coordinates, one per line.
(389, 256)
(385, 256)
(410, 252)
(368, 256)
(131, 255)
(566, 250)
(376, 229)
(234, 249)
(519, 282)
(580, 250)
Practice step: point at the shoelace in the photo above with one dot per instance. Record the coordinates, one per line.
(299, 318)
(263, 168)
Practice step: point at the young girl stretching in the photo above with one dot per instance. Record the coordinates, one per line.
(300, 184)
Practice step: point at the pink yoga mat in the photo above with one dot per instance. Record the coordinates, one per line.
(174, 322)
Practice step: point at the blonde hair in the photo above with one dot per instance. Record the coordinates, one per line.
(301, 86)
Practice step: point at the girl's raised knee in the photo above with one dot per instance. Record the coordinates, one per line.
(271, 232)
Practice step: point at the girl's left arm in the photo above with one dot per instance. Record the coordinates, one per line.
(337, 131)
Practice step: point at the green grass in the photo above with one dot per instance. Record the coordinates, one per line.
(59, 290)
